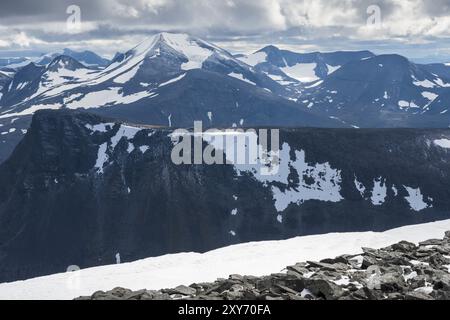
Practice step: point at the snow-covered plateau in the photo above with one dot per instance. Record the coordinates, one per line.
(258, 259)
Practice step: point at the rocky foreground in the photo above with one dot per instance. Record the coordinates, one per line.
(403, 271)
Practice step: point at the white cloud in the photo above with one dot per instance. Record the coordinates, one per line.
(153, 6)
(124, 11)
(239, 24)
(320, 13)
(23, 40)
(4, 43)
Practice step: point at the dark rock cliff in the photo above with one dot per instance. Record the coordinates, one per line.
(79, 189)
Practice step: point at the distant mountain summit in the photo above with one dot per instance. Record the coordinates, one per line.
(65, 62)
(382, 91)
(33, 82)
(303, 67)
(87, 58)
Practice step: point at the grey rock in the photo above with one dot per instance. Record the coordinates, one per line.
(392, 282)
(418, 296)
(441, 280)
(418, 282)
(236, 292)
(360, 294)
(369, 261)
(437, 260)
(323, 288)
(236, 277)
(431, 242)
(395, 296)
(444, 249)
(121, 292)
(441, 295)
(288, 290)
(183, 290)
(341, 259)
(134, 295)
(273, 298)
(404, 246)
(329, 267)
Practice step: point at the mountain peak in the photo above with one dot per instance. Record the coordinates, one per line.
(180, 42)
(269, 49)
(65, 62)
(173, 36)
(193, 51)
(394, 58)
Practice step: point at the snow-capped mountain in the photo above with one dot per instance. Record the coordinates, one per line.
(33, 80)
(382, 91)
(167, 80)
(285, 65)
(22, 85)
(87, 58)
(11, 63)
(156, 63)
(79, 189)
(28, 83)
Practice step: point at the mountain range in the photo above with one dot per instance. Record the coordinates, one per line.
(274, 87)
(167, 80)
(174, 79)
(364, 146)
(287, 66)
(86, 57)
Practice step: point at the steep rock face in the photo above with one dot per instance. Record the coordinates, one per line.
(4, 79)
(79, 189)
(24, 84)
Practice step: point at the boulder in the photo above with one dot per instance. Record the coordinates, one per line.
(183, 290)
(323, 288)
(416, 295)
(404, 246)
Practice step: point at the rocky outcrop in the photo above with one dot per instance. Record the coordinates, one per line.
(403, 271)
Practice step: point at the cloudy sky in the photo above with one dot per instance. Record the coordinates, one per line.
(415, 28)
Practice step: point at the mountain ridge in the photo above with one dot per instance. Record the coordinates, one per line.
(176, 79)
(163, 80)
